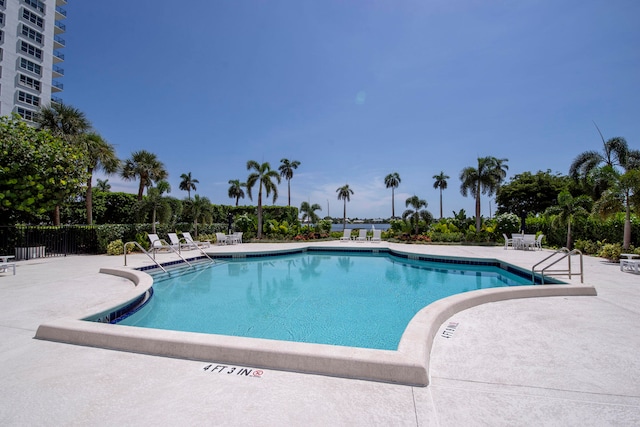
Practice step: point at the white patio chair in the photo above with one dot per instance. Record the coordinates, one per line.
(346, 236)
(362, 235)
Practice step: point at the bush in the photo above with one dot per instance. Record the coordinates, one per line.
(588, 247)
(611, 251)
(115, 248)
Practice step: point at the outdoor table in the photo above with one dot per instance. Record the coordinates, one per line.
(630, 256)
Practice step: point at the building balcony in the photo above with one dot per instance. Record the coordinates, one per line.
(59, 27)
(56, 100)
(60, 13)
(56, 86)
(57, 57)
(61, 2)
(57, 72)
(58, 42)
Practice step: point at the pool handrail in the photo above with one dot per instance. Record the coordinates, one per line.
(153, 258)
(566, 253)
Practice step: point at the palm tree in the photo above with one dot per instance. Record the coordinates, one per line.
(344, 193)
(309, 212)
(417, 213)
(103, 185)
(568, 207)
(157, 203)
(63, 120)
(100, 156)
(145, 166)
(441, 183)
(392, 181)
(616, 153)
(486, 179)
(263, 175)
(188, 183)
(235, 190)
(199, 209)
(286, 171)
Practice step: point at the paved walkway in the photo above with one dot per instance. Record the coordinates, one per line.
(541, 361)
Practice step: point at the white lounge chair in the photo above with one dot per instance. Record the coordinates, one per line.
(235, 238)
(362, 235)
(539, 241)
(346, 235)
(176, 243)
(189, 239)
(157, 243)
(377, 235)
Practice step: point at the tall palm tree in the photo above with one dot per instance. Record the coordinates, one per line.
(188, 183)
(309, 212)
(344, 193)
(392, 181)
(199, 209)
(145, 166)
(417, 213)
(235, 190)
(568, 207)
(616, 153)
(485, 179)
(286, 171)
(65, 122)
(100, 156)
(441, 183)
(157, 203)
(263, 175)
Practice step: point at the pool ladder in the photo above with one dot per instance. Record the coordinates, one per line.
(559, 255)
(153, 258)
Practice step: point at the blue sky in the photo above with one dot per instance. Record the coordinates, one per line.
(354, 89)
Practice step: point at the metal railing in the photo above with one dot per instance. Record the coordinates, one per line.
(28, 242)
(560, 254)
(154, 249)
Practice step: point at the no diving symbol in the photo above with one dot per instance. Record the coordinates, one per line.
(449, 330)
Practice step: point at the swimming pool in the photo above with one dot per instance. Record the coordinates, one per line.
(356, 299)
(408, 365)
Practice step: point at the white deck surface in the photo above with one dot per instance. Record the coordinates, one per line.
(539, 361)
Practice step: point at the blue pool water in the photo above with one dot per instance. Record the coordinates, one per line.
(350, 299)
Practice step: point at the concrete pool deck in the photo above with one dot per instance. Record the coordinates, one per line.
(537, 361)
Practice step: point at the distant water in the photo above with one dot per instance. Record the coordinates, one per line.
(340, 227)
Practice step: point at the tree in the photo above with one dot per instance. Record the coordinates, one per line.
(63, 121)
(235, 190)
(100, 156)
(413, 216)
(103, 185)
(309, 212)
(344, 193)
(529, 194)
(441, 183)
(145, 166)
(199, 209)
(188, 183)
(286, 171)
(263, 176)
(486, 179)
(157, 203)
(616, 153)
(37, 171)
(392, 181)
(567, 208)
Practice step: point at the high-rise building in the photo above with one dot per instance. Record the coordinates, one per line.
(30, 57)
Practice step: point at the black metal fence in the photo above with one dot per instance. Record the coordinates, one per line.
(27, 242)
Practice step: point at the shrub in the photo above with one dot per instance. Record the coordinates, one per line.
(611, 251)
(115, 247)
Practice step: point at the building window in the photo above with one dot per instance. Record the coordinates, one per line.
(33, 18)
(30, 66)
(36, 4)
(27, 98)
(31, 34)
(27, 81)
(1, 18)
(30, 50)
(1, 36)
(27, 114)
